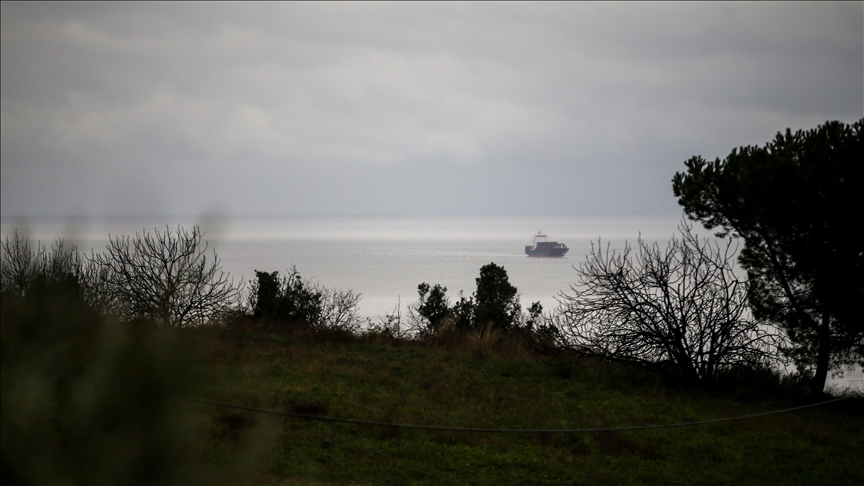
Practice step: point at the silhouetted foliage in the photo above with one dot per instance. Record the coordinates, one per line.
(680, 312)
(166, 277)
(293, 303)
(535, 315)
(265, 295)
(792, 202)
(494, 306)
(463, 315)
(433, 305)
(289, 300)
(496, 300)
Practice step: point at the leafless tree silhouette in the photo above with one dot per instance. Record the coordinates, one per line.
(680, 311)
(167, 277)
(20, 264)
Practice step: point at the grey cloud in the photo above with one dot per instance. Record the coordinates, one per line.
(308, 108)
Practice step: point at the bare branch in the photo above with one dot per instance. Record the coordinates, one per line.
(680, 311)
(166, 276)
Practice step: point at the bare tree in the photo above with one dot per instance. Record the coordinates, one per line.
(97, 284)
(339, 310)
(20, 264)
(680, 311)
(25, 267)
(166, 276)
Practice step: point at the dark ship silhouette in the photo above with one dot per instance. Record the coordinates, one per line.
(545, 249)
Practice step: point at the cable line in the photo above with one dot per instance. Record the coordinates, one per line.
(506, 431)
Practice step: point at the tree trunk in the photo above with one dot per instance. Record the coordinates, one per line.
(823, 356)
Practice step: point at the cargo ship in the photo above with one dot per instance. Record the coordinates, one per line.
(545, 249)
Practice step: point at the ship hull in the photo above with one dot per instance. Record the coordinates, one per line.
(557, 252)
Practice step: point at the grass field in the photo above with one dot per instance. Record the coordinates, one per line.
(493, 385)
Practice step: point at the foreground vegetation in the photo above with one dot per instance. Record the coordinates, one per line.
(493, 383)
(100, 382)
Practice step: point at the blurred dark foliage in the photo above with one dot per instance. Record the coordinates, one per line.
(85, 398)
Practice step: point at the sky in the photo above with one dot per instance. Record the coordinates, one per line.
(414, 109)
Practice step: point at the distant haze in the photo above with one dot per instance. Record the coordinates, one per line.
(520, 109)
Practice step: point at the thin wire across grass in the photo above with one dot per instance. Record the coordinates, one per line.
(507, 431)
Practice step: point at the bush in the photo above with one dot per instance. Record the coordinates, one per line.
(292, 303)
(493, 307)
(496, 301)
(433, 306)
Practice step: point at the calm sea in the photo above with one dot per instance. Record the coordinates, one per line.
(385, 258)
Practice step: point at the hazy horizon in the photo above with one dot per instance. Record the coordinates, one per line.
(384, 258)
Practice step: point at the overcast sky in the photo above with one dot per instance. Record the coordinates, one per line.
(403, 109)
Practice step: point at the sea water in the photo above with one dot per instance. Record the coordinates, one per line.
(384, 259)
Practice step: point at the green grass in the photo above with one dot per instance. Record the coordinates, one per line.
(473, 386)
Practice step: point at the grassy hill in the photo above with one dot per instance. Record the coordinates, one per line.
(493, 384)
(93, 396)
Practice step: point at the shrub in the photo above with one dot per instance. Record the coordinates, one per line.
(292, 303)
(493, 307)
